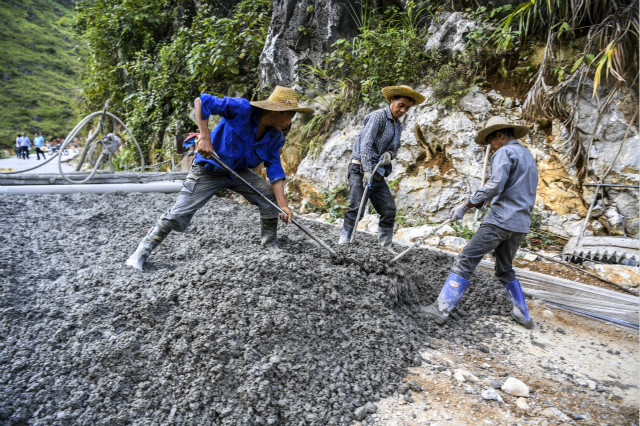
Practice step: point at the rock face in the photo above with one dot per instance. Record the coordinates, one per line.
(449, 33)
(300, 32)
(439, 164)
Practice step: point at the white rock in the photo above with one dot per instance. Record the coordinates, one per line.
(530, 257)
(433, 241)
(547, 313)
(515, 387)
(459, 376)
(475, 102)
(592, 384)
(450, 34)
(554, 413)
(495, 97)
(412, 234)
(492, 394)
(453, 243)
(464, 376)
(446, 231)
(521, 403)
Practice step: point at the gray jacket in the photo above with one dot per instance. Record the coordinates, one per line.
(512, 187)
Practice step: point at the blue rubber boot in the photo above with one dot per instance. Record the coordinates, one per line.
(451, 292)
(520, 311)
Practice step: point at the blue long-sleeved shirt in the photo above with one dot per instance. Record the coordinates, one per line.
(513, 185)
(369, 147)
(234, 138)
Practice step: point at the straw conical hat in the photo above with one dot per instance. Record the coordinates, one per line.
(496, 123)
(281, 99)
(390, 91)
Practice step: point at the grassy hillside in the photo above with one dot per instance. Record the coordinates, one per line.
(39, 70)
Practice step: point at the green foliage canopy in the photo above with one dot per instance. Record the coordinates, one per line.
(151, 58)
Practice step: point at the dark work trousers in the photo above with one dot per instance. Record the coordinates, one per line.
(379, 194)
(38, 152)
(489, 238)
(200, 186)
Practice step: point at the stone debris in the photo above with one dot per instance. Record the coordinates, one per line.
(515, 387)
(522, 404)
(491, 394)
(215, 330)
(555, 414)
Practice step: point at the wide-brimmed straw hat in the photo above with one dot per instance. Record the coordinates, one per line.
(390, 91)
(496, 123)
(281, 99)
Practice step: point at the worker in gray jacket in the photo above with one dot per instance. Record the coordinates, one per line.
(512, 187)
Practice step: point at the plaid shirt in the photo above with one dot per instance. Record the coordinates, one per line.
(380, 133)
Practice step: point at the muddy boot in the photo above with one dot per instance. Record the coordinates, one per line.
(153, 238)
(520, 311)
(269, 234)
(449, 296)
(345, 234)
(385, 239)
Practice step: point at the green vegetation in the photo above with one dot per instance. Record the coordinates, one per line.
(336, 201)
(39, 73)
(152, 58)
(604, 35)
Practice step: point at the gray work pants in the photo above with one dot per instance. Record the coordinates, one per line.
(200, 186)
(489, 238)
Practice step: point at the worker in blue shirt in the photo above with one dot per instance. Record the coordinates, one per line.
(512, 194)
(38, 141)
(249, 134)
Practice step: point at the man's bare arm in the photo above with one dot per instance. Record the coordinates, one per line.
(281, 198)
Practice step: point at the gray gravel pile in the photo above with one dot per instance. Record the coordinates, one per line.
(215, 331)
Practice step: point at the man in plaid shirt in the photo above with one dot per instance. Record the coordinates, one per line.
(378, 142)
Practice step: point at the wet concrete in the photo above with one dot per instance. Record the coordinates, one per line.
(216, 330)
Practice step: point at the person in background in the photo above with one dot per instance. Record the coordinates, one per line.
(25, 142)
(19, 145)
(38, 141)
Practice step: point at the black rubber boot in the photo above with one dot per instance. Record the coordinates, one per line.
(154, 237)
(269, 234)
(385, 239)
(345, 235)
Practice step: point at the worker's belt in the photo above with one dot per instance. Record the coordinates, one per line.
(376, 176)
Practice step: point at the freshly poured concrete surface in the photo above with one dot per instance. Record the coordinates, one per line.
(218, 331)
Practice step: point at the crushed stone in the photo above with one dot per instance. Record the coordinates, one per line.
(215, 330)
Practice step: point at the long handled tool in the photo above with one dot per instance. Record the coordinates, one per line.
(419, 242)
(274, 205)
(364, 197)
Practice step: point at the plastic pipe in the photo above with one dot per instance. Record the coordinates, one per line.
(172, 186)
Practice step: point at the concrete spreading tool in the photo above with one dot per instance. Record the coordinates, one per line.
(399, 289)
(274, 205)
(364, 197)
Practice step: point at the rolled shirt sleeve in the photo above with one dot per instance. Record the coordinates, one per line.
(273, 164)
(225, 107)
(500, 168)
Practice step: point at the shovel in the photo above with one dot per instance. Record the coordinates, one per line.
(274, 205)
